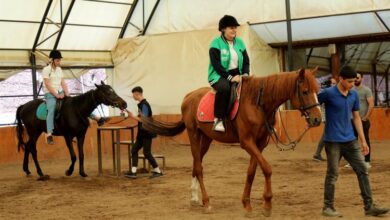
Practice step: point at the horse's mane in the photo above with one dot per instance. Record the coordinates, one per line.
(276, 86)
(81, 98)
(83, 105)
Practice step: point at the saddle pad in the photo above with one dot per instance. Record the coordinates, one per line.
(42, 111)
(205, 112)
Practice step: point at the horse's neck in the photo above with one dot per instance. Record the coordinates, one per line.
(276, 90)
(86, 103)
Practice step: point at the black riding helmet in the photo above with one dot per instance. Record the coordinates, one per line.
(227, 21)
(55, 54)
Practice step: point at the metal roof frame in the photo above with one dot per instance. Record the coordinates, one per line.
(142, 31)
(127, 20)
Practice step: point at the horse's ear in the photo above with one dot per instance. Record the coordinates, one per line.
(102, 83)
(97, 86)
(301, 73)
(316, 69)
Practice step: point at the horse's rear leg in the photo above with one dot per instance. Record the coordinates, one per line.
(25, 160)
(246, 196)
(199, 147)
(33, 149)
(80, 144)
(68, 141)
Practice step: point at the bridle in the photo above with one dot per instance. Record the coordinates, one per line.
(302, 107)
(270, 128)
(101, 108)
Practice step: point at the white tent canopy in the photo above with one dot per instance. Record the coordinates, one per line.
(96, 25)
(186, 15)
(166, 41)
(93, 27)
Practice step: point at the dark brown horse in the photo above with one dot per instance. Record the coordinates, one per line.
(72, 122)
(260, 98)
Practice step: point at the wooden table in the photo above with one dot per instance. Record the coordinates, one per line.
(115, 141)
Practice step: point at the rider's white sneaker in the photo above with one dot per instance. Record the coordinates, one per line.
(218, 126)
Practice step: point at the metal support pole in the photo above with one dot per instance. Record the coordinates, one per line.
(373, 65)
(289, 45)
(289, 37)
(150, 17)
(63, 24)
(387, 85)
(34, 75)
(33, 59)
(129, 15)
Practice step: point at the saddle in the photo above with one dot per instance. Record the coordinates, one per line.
(41, 112)
(205, 112)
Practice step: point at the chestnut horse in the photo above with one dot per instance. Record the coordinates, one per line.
(260, 98)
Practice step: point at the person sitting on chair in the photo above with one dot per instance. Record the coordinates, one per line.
(54, 88)
(228, 61)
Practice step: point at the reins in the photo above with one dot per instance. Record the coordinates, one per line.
(270, 128)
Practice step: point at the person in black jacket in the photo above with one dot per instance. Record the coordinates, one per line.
(228, 62)
(144, 138)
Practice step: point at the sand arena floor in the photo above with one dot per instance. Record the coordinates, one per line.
(297, 187)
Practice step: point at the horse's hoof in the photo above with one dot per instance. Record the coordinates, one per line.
(208, 210)
(83, 174)
(267, 212)
(195, 203)
(68, 173)
(43, 178)
(28, 174)
(248, 208)
(250, 214)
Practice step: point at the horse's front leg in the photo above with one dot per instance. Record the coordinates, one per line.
(252, 149)
(68, 141)
(80, 145)
(199, 147)
(246, 196)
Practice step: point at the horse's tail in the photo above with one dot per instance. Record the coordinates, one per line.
(19, 129)
(162, 128)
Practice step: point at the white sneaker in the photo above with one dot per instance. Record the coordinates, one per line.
(368, 165)
(218, 126)
(347, 165)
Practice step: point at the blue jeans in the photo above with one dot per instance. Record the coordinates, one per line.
(352, 153)
(320, 146)
(51, 101)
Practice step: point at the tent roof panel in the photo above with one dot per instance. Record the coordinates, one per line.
(93, 13)
(321, 28)
(22, 10)
(17, 35)
(385, 15)
(85, 38)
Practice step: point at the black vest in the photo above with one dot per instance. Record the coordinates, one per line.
(142, 132)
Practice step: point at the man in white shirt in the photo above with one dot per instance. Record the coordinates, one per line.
(54, 88)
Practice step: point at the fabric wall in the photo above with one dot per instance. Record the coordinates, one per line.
(168, 66)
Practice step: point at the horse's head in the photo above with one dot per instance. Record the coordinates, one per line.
(305, 98)
(106, 95)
